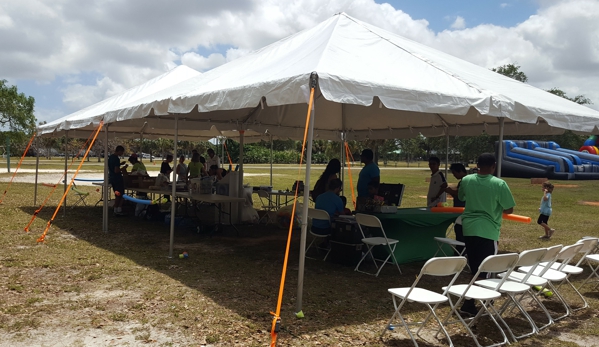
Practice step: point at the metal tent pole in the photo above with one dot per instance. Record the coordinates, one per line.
(271, 150)
(105, 192)
(342, 160)
(447, 154)
(174, 190)
(37, 166)
(304, 232)
(241, 191)
(500, 146)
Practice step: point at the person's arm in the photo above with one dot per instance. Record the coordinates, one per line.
(452, 192)
(545, 197)
(506, 199)
(509, 210)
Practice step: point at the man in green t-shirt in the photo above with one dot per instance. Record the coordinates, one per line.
(487, 199)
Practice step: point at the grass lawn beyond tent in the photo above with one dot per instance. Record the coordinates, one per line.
(86, 288)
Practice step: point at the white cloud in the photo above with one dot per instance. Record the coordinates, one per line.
(504, 5)
(459, 23)
(201, 63)
(127, 43)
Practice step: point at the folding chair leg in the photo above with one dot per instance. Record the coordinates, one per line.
(593, 273)
(364, 257)
(561, 299)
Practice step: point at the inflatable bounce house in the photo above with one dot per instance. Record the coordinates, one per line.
(528, 159)
(590, 145)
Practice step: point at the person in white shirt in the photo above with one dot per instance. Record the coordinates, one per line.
(436, 188)
(212, 158)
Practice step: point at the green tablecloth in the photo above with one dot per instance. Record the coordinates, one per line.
(415, 229)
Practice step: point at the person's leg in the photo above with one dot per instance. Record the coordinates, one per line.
(478, 249)
(542, 221)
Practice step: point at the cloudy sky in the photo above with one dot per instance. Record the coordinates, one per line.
(69, 54)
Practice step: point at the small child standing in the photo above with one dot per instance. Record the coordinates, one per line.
(545, 211)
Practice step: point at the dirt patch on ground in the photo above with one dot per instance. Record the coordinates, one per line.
(566, 185)
(589, 203)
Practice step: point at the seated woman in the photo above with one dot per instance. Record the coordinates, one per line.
(330, 202)
(195, 169)
(217, 172)
(138, 167)
(329, 174)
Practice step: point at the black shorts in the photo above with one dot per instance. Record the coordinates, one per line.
(478, 249)
(118, 184)
(543, 218)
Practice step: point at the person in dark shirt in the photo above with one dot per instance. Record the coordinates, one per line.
(459, 171)
(330, 173)
(115, 178)
(165, 168)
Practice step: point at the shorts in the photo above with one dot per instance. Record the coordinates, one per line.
(543, 218)
(118, 184)
(478, 249)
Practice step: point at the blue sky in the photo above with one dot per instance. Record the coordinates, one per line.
(440, 14)
(69, 57)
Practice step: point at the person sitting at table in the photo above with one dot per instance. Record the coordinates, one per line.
(195, 169)
(212, 158)
(330, 173)
(181, 170)
(217, 172)
(346, 211)
(138, 167)
(330, 202)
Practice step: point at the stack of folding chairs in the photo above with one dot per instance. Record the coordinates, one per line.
(516, 278)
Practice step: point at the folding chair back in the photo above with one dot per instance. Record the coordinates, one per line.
(531, 257)
(588, 246)
(564, 255)
(443, 266)
(551, 254)
(368, 221)
(498, 263)
(318, 214)
(265, 199)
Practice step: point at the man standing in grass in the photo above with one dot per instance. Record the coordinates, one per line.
(370, 174)
(487, 199)
(115, 178)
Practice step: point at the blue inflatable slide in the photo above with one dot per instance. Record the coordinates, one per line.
(528, 159)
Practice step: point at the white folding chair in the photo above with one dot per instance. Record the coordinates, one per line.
(531, 280)
(555, 276)
(588, 245)
(80, 196)
(319, 215)
(453, 243)
(491, 264)
(446, 266)
(527, 258)
(596, 250)
(268, 206)
(366, 220)
(592, 259)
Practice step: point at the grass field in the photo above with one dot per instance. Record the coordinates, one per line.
(86, 288)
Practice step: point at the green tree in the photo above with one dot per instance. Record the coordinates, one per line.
(579, 99)
(511, 71)
(16, 113)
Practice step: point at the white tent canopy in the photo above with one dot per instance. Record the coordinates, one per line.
(370, 83)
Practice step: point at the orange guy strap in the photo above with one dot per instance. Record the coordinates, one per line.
(276, 321)
(54, 186)
(43, 237)
(351, 180)
(228, 156)
(18, 166)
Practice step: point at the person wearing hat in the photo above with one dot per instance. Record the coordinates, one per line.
(369, 175)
